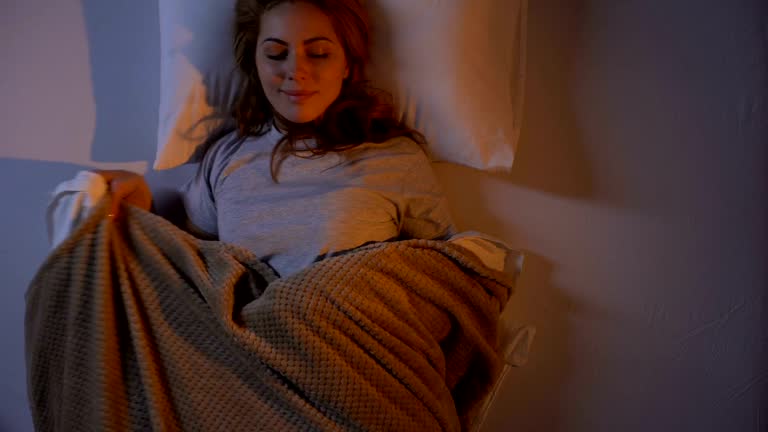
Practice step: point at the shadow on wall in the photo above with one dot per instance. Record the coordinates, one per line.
(86, 80)
(551, 156)
(123, 40)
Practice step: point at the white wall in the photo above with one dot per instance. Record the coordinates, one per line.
(639, 194)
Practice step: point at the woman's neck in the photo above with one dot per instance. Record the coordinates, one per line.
(280, 124)
(285, 126)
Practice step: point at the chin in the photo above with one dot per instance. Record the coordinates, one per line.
(300, 116)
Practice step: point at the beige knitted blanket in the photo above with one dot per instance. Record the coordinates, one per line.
(134, 325)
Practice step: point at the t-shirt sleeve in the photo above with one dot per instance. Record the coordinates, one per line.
(424, 212)
(199, 193)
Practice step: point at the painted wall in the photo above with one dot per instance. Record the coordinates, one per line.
(639, 195)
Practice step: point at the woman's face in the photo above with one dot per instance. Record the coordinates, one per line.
(300, 61)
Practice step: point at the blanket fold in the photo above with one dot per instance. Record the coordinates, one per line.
(133, 324)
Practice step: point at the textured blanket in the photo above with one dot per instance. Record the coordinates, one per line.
(134, 325)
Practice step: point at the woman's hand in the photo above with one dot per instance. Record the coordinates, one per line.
(127, 187)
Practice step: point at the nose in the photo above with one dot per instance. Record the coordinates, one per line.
(297, 67)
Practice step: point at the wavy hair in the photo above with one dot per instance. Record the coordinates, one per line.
(360, 114)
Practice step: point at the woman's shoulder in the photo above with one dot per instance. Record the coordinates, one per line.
(224, 145)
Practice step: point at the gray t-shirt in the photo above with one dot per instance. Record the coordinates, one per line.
(321, 205)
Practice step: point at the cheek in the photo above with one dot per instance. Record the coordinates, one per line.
(333, 75)
(269, 75)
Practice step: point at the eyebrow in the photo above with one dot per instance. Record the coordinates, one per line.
(306, 42)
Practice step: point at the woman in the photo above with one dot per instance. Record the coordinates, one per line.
(317, 164)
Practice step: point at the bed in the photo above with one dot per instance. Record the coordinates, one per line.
(492, 148)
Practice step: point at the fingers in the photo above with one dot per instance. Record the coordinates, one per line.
(126, 187)
(110, 177)
(120, 190)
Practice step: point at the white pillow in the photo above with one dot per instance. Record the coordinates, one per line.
(455, 69)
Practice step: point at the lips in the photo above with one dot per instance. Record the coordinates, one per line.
(298, 92)
(298, 96)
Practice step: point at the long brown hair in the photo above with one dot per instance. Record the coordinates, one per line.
(360, 114)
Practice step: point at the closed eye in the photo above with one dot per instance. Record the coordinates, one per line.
(281, 56)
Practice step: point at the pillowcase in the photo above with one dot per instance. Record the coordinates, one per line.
(455, 70)
(198, 78)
